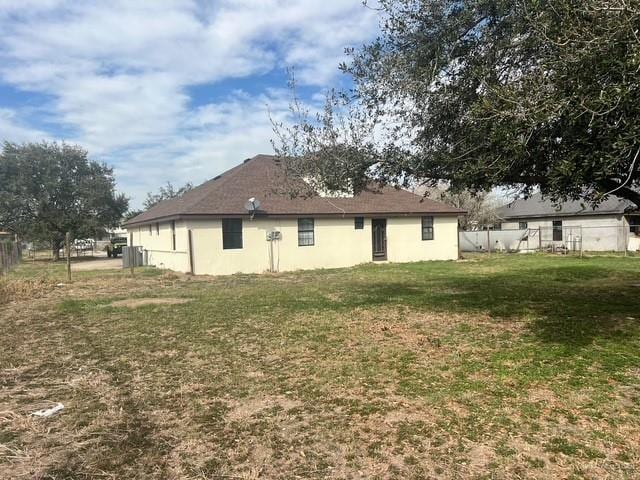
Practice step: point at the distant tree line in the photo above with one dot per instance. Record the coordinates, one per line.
(165, 192)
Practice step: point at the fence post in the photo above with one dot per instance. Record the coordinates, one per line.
(625, 238)
(2, 258)
(68, 254)
(488, 239)
(581, 237)
(540, 238)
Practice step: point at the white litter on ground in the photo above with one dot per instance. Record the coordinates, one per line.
(47, 412)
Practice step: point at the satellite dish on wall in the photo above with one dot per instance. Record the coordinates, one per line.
(252, 205)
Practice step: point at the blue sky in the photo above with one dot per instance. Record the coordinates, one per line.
(171, 90)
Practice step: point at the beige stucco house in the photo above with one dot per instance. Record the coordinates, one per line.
(210, 230)
(613, 225)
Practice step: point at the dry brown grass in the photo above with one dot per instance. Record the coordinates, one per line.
(21, 289)
(297, 376)
(141, 302)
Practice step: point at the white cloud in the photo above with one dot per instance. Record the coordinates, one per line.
(214, 138)
(13, 128)
(119, 72)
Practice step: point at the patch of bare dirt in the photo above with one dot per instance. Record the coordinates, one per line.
(542, 394)
(99, 264)
(480, 456)
(141, 302)
(246, 408)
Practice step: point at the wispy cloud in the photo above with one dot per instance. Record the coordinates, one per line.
(14, 128)
(119, 74)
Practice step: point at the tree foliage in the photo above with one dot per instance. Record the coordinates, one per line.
(482, 93)
(480, 207)
(332, 150)
(164, 193)
(48, 189)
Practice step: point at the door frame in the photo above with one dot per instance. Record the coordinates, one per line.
(383, 223)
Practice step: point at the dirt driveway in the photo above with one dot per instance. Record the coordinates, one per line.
(98, 264)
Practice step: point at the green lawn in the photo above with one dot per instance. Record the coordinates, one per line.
(519, 366)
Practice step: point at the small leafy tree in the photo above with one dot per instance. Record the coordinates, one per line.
(164, 193)
(48, 189)
(480, 206)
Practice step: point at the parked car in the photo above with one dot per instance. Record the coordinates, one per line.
(114, 247)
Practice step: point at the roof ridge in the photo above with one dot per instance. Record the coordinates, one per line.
(263, 177)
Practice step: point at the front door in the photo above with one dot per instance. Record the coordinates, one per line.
(379, 238)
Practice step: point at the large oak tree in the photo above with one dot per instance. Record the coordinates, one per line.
(48, 189)
(486, 93)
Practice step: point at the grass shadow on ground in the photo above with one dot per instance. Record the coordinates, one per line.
(572, 304)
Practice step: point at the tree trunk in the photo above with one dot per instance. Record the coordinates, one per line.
(55, 250)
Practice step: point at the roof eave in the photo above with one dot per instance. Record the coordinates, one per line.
(559, 214)
(195, 216)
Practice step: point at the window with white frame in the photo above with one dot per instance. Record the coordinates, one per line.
(427, 228)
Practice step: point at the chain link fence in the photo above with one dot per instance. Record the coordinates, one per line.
(10, 255)
(574, 239)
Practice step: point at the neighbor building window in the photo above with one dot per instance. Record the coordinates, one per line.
(427, 228)
(557, 230)
(231, 233)
(523, 225)
(305, 232)
(358, 223)
(150, 229)
(173, 235)
(157, 228)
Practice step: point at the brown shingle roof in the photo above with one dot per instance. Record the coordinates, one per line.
(261, 177)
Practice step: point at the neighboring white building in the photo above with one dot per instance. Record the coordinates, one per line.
(116, 232)
(611, 226)
(210, 231)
